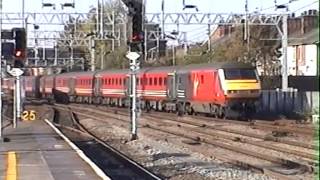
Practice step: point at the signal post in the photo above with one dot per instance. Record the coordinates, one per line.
(134, 55)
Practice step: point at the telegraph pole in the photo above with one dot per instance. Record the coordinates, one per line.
(284, 51)
(209, 37)
(1, 124)
(92, 52)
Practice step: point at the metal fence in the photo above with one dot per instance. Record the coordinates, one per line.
(289, 103)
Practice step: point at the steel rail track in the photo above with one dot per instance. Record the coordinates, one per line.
(125, 163)
(223, 129)
(280, 161)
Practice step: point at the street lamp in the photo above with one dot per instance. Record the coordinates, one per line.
(67, 5)
(189, 6)
(48, 5)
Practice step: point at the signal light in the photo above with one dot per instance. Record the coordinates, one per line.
(18, 53)
(137, 37)
(20, 42)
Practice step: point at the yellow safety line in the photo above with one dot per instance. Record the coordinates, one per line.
(12, 166)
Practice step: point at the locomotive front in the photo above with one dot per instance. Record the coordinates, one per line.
(241, 87)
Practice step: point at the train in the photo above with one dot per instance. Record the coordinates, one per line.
(216, 89)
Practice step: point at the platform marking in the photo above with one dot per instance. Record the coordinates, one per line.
(80, 152)
(11, 166)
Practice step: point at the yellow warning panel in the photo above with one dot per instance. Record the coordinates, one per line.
(11, 166)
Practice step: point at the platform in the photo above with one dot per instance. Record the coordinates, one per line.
(37, 151)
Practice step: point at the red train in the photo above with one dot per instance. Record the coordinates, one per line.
(217, 89)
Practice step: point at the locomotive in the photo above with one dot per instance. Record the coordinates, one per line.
(217, 89)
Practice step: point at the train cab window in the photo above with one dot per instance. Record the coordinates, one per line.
(160, 81)
(150, 81)
(202, 79)
(155, 81)
(231, 74)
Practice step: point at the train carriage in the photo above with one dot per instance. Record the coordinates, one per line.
(47, 84)
(31, 86)
(83, 85)
(64, 87)
(111, 87)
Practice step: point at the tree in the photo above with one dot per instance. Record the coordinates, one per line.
(263, 49)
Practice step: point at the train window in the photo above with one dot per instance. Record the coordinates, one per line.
(180, 80)
(145, 80)
(137, 81)
(124, 81)
(150, 81)
(239, 74)
(112, 81)
(116, 81)
(202, 79)
(120, 81)
(109, 81)
(165, 81)
(155, 81)
(160, 81)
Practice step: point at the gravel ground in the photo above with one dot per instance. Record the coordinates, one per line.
(166, 154)
(170, 160)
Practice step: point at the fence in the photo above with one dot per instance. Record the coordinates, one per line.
(289, 103)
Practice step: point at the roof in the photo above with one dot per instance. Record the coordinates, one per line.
(311, 37)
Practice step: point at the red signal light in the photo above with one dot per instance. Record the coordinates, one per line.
(18, 53)
(137, 37)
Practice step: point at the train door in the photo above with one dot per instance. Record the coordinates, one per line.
(72, 85)
(98, 81)
(171, 85)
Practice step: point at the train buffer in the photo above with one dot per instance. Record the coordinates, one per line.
(36, 151)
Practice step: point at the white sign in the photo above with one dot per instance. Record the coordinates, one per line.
(15, 72)
(133, 56)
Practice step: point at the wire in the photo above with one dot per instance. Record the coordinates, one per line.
(305, 6)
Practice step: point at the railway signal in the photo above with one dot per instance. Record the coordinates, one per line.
(136, 49)
(19, 35)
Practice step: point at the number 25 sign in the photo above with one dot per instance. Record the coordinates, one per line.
(29, 115)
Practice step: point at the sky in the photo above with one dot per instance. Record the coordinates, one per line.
(195, 33)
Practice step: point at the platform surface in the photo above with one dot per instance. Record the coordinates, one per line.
(36, 151)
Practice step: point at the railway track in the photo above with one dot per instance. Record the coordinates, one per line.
(207, 122)
(115, 164)
(288, 164)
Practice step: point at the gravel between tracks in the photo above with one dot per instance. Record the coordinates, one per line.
(167, 155)
(162, 156)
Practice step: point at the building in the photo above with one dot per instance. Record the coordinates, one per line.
(303, 44)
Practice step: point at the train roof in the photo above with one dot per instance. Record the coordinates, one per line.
(75, 74)
(166, 69)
